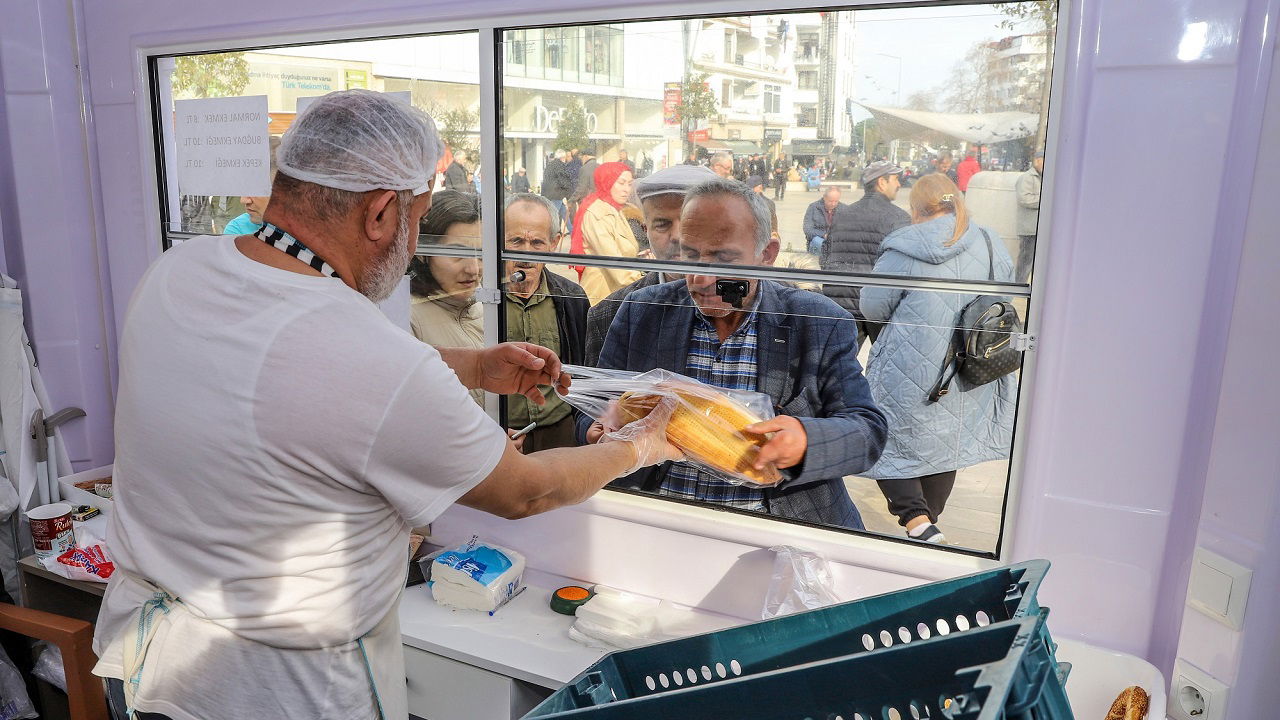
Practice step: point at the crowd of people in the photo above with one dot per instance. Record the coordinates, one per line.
(351, 432)
(799, 345)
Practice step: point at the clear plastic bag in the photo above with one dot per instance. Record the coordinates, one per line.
(14, 701)
(615, 618)
(801, 581)
(49, 667)
(707, 423)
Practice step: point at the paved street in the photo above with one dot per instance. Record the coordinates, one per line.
(792, 207)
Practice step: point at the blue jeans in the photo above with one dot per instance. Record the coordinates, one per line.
(564, 214)
(116, 704)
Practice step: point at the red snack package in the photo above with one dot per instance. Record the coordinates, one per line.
(83, 564)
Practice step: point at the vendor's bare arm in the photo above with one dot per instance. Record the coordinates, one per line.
(524, 485)
(462, 361)
(507, 368)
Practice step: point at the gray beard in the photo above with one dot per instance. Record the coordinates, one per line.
(381, 279)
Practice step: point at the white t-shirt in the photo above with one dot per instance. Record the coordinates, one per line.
(276, 436)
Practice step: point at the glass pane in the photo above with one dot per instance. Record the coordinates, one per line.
(804, 106)
(862, 159)
(444, 310)
(816, 364)
(438, 74)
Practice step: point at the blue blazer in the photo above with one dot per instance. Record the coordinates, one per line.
(807, 362)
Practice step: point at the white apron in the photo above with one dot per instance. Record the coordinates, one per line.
(380, 650)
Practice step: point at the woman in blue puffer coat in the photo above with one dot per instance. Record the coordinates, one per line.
(930, 441)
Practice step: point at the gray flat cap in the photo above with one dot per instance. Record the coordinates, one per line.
(879, 169)
(673, 180)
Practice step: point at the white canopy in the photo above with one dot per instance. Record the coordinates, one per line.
(979, 128)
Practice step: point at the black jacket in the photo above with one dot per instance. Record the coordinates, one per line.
(586, 181)
(600, 317)
(853, 242)
(519, 183)
(571, 317)
(555, 180)
(455, 178)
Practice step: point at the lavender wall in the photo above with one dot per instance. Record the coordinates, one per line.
(1151, 175)
(51, 227)
(1144, 254)
(1242, 495)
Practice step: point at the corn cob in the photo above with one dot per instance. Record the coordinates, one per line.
(708, 427)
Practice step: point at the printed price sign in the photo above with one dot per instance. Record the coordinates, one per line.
(223, 146)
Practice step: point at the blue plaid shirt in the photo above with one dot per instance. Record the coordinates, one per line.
(731, 364)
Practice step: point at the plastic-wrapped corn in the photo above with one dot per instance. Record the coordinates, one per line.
(708, 423)
(708, 427)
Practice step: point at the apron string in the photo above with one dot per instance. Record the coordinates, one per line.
(377, 699)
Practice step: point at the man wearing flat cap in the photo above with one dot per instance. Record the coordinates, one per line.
(793, 345)
(661, 196)
(853, 241)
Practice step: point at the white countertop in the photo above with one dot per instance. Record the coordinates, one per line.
(523, 639)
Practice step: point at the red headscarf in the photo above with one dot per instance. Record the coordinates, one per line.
(605, 175)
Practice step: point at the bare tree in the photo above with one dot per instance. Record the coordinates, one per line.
(971, 88)
(926, 100)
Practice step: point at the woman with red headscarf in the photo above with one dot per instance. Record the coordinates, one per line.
(600, 228)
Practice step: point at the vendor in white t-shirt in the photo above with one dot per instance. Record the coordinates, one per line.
(276, 438)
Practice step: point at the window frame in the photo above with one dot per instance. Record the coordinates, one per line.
(862, 548)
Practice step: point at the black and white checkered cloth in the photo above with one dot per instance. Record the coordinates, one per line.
(288, 244)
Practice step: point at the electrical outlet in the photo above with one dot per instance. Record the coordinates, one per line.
(1196, 695)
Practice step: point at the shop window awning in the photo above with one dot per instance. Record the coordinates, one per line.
(713, 144)
(979, 128)
(743, 147)
(811, 147)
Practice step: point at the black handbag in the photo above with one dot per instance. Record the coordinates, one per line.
(983, 347)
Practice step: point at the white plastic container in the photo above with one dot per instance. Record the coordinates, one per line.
(1098, 676)
(76, 496)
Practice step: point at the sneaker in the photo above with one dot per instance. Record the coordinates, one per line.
(928, 533)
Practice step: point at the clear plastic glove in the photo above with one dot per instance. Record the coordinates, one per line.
(648, 436)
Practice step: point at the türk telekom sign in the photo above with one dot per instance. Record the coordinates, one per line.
(546, 120)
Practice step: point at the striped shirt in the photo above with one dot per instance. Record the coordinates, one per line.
(729, 364)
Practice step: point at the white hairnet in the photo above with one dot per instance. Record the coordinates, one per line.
(360, 140)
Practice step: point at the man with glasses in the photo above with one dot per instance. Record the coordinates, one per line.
(722, 165)
(542, 308)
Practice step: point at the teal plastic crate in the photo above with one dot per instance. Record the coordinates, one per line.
(868, 625)
(1004, 671)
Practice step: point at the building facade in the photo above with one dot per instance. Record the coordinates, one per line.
(824, 68)
(1017, 69)
(617, 72)
(750, 70)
